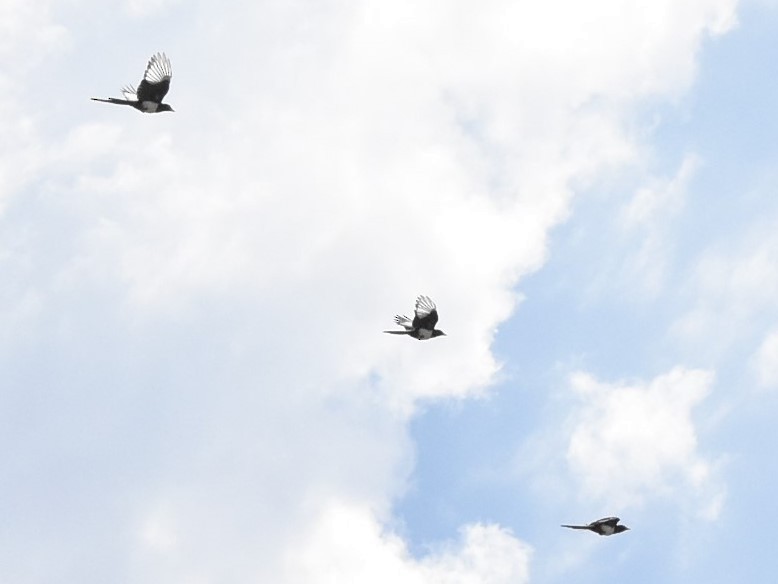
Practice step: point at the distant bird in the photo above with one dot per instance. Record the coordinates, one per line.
(423, 325)
(605, 526)
(152, 89)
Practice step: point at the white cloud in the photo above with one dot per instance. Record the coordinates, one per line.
(487, 554)
(207, 289)
(146, 8)
(733, 290)
(653, 204)
(398, 158)
(347, 544)
(633, 441)
(765, 361)
(31, 27)
(644, 225)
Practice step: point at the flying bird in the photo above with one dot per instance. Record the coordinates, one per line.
(151, 90)
(422, 327)
(605, 526)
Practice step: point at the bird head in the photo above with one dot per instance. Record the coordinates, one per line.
(437, 333)
(163, 107)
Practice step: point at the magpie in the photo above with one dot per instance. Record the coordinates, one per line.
(423, 325)
(151, 90)
(605, 526)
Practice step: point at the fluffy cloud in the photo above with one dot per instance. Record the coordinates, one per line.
(652, 204)
(31, 27)
(649, 213)
(629, 442)
(485, 554)
(733, 290)
(192, 319)
(641, 241)
(765, 361)
(145, 8)
(29, 31)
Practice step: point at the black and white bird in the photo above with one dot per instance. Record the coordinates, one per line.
(151, 90)
(604, 526)
(422, 327)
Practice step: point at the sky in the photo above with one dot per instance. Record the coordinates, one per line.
(194, 385)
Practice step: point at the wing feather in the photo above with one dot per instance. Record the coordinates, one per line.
(612, 521)
(403, 321)
(129, 93)
(424, 306)
(426, 313)
(156, 80)
(158, 69)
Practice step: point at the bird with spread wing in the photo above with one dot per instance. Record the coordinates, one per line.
(152, 89)
(604, 526)
(422, 327)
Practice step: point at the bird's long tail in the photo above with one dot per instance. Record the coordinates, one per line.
(113, 100)
(398, 332)
(577, 526)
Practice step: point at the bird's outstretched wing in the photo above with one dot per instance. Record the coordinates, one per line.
(404, 322)
(426, 313)
(609, 521)
(129, 93)
(156, 79)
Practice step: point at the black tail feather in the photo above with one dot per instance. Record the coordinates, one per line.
(114, 100)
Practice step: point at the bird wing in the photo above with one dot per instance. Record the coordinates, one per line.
(156, 80)
(403, 321)
(426, 313)
(609, 521)
(129, 93)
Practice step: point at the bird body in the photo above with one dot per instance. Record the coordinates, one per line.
(422, 327)
(604, 526)
(152, 89)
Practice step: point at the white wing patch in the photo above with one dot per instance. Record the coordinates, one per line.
(404, 321)
(158, 69)
(129, 93)
(424, 306)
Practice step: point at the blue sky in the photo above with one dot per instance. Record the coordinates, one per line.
(193, 383)
(464, 450)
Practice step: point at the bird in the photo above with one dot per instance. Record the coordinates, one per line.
(604, 526)
(423, 325)
(151, 90)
